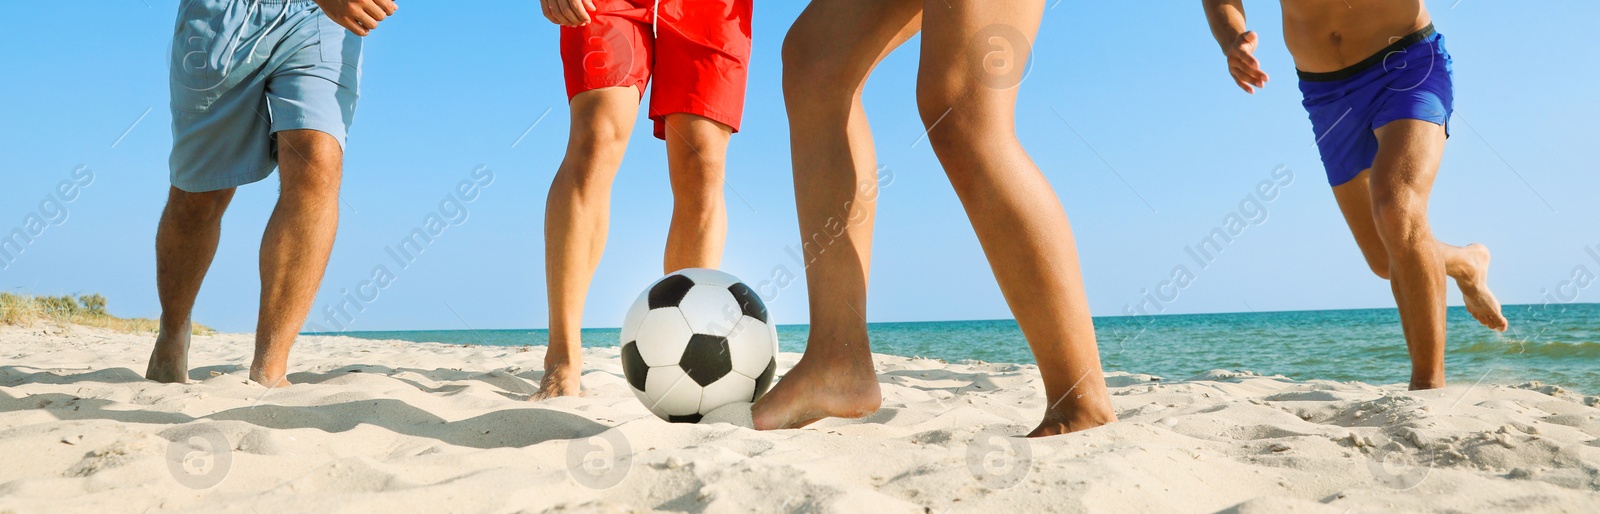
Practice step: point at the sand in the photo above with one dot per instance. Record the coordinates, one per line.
(388, 426)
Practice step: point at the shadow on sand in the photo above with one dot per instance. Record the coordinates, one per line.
(505, 428)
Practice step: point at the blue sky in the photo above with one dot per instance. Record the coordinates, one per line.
(1152, 148)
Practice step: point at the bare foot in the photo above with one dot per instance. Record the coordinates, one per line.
(814, 389)
(1432, 381)
(1057, 421)
(169, 361)
(272, 378)
(269, 380)
(1475, 290)
(559, 380)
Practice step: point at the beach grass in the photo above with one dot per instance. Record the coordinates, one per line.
(83, 310)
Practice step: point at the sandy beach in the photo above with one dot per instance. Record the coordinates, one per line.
(393, 426)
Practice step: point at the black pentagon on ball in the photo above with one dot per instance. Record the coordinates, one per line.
(633, 365)
(706, 359)
(749, 301)
(669, 291)
(765, 380)
(691, 418)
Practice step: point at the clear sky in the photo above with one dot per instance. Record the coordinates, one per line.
(1128, 109)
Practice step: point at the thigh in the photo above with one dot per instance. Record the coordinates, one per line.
(1409, 152)
(977, 51)
(845, 39)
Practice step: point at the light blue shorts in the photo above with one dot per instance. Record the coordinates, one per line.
(244, 70)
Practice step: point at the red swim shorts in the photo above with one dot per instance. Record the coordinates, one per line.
(698, 51)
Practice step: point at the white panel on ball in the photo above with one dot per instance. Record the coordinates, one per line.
(668, 389)
(728, 389)
(752, 345)
(710, 310)
(663, 336)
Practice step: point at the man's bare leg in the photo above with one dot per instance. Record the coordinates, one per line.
(1386, 208)
(697, 155)
(186, 242)
(827, 57)
(1468, 265)
(577, 216)
(296, 245)
(1000, 187)
(1402, 178)
(1016, 214)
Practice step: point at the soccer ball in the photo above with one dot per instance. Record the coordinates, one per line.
(696, 340)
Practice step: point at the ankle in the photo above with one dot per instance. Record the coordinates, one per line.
(267, 374)
(1081, 409)
(563, 363)
(1427, 380)
(174, 329)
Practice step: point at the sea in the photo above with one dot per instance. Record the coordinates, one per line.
(1555, 344)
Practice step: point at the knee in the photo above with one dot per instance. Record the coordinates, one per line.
(937, 99)
(309, 163)
(198, 207)
(698, 145)
(961, 124)
(593, 155)
(599, 141)
(1401, 217)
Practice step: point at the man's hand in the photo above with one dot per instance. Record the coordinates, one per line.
(1243, 65)
(360, 16)
(570, 13)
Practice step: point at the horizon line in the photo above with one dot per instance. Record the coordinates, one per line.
(546, 329)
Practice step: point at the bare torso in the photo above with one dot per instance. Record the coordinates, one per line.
(1330, 35)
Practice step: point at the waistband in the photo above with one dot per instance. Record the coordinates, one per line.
(1374, 60)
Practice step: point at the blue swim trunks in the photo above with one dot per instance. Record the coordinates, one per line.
(1408, 80)
(244, 70)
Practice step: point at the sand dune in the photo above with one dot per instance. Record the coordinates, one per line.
(404, 427)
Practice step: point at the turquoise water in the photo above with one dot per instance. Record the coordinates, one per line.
(1555, 344)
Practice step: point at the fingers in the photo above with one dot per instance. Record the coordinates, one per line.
(375, 12)
(562, 9)
(580, 11)
(570, 13)
(1242, 63)
(365, 20)
(355, 27)
(1246, 60)
(549, 14)
(1249, 74)
(1246, 67)
(1243, 84)
(388, 6)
